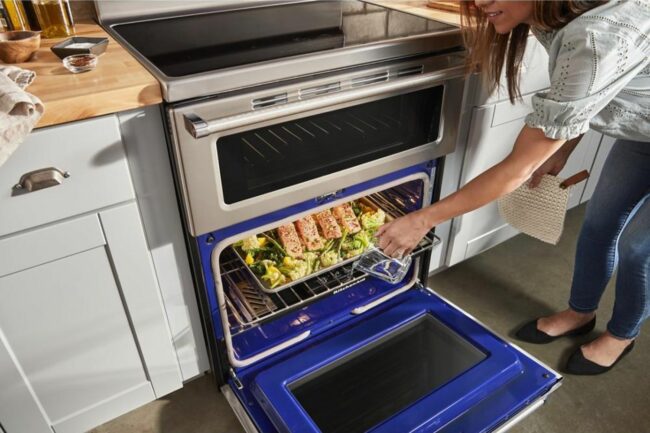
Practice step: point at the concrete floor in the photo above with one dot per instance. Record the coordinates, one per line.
(504, 287)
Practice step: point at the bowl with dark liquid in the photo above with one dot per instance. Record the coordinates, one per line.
(18, 46)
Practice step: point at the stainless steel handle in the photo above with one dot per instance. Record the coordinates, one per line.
(40, 179)
(199, 127)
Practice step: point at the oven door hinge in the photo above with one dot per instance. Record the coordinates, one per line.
(236, 380)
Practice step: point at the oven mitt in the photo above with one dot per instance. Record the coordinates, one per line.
(539, 212)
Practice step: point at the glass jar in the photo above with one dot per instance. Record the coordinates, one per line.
(54, 18)
(16, 16)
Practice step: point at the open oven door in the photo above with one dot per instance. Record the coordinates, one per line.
(414, 364)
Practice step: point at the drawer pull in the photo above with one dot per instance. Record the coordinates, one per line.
(40, 179)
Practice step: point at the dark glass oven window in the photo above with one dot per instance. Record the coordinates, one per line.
(366, 388)
(262, 160)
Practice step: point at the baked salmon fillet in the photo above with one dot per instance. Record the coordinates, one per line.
(346, 218)
(328, 225)
(290, 240)
(308, 232)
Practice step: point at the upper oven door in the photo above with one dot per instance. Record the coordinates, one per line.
(249, 154)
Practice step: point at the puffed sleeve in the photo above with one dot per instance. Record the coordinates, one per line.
(587, 70)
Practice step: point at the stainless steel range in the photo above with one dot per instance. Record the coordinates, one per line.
(279, 115)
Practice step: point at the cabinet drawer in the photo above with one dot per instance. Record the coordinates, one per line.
(93, 155)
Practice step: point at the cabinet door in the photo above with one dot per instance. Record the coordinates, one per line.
(66, 328)
(82, 320)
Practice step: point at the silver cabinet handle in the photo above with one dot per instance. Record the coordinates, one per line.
(199, 127)
(40, 179)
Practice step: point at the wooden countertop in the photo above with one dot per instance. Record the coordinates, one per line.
(118, 83)
(420, 8)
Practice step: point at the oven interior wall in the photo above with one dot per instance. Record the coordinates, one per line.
(248, 305)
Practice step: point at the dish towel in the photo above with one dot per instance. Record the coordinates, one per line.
(19, 110)
(539, 212)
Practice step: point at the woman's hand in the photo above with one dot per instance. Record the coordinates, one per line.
(555, 163)
(399, 237)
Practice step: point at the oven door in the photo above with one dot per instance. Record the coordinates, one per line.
(415, 364)
(246, 155)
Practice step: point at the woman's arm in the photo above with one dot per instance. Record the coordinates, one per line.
(530, 151)
(556, 162)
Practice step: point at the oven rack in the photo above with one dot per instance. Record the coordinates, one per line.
(248, 306)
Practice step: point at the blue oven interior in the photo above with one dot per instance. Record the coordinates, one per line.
(412, 363)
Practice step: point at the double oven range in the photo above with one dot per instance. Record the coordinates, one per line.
(279, 111)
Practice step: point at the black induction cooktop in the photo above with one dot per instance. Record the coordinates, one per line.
(190, 44)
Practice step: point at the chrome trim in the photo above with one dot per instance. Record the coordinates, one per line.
(195, 125)
(370, 79)
(322, 89)
(272, 113)
(532, 407)
(268, 101)
(236, 406)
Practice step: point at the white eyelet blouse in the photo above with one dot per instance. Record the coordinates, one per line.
(599, 65)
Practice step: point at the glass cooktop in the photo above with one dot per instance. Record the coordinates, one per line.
(191, 44)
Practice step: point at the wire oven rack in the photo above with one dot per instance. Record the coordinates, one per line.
(248, 305)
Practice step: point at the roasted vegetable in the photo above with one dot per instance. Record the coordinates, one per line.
(273, 274)
(373, 220)
(251, 243)
(295, 269)
(329, 258)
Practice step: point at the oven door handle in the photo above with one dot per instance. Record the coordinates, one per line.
(198, 127)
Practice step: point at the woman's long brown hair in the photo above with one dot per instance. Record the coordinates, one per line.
(490, 51)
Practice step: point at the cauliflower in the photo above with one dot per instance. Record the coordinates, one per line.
(329, 258)
(251, 243)
(373, 220)
(296, 270)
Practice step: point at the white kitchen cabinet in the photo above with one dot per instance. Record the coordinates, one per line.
(84, 335)
(66, 328)
(493, 131)
(144, 138)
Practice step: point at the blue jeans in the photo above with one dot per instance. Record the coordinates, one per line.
(616, 233)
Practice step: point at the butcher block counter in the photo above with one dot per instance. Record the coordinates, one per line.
(420, 8)
(118, 83)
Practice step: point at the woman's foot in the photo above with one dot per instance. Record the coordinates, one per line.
(599, 356)
(563, 322)
(605, 350)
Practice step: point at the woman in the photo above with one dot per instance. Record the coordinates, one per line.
(600, 78)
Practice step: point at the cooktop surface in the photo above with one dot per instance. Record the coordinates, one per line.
(190, 44)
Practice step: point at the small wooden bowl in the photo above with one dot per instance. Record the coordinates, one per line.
(18, 46)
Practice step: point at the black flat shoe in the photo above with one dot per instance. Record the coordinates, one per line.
(531, 334)
(579, 365)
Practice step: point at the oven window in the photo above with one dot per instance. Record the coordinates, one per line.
(369, 386)
(262, 160)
